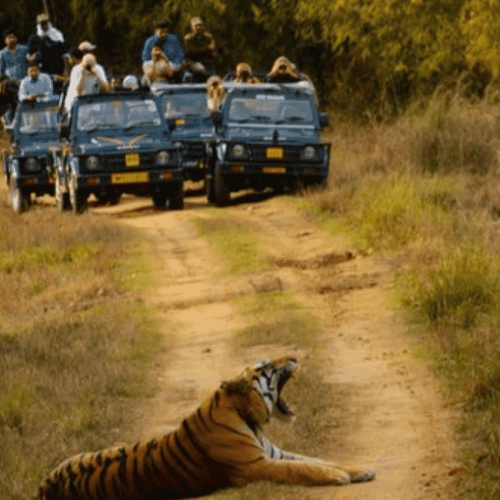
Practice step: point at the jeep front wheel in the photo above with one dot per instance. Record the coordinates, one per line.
(77, 198)
(176, 201)
(160, 197)
(222, 194)
(19, 198)
(62, 198)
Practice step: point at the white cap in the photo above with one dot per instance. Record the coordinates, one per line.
(86, 46)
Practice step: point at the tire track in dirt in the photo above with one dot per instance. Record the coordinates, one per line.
(391, 415)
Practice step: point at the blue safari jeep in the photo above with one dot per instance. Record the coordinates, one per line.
(27, 164)
(187, 105)
(118, 143)
(268, 135)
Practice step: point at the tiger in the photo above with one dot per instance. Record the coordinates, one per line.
(219, 445)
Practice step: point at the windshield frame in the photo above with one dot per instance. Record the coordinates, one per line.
(118, 114)
(49, 115)
(270, 109)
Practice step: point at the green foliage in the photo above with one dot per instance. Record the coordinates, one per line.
(370, 56)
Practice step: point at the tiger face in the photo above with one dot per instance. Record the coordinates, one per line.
(256, 394)
(269, 380)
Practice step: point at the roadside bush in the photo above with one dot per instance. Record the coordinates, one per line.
(464, 285)
(455, 134)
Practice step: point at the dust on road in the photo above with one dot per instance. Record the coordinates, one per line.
(391, 415)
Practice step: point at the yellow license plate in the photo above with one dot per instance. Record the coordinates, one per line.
(274, 170)
(132, 160)
(274, 153)
(130, 178)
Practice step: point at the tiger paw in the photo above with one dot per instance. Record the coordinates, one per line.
(362, 476)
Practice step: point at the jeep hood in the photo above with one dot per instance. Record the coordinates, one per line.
(107, 143)
(285, 134)
(38, 148)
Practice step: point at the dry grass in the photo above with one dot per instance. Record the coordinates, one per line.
(426, 187)
(74, 344)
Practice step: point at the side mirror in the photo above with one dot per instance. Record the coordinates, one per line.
(324, 119)
(216, 117)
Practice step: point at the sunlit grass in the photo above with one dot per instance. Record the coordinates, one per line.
(234, 241)
(276, 319)
(75, 345)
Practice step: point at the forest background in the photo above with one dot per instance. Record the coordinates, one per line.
(365, 56)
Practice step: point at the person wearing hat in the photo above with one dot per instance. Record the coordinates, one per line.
(170, 44)
(200, 50)
(13, 65)
(87, 70)
(36, 84)
(48, 45)
(44, 28)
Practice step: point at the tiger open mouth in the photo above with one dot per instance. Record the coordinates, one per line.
(286, 374)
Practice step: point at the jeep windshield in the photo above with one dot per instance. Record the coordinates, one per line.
(272, 109)
(117, 114)
(187, 105)
(34, 121)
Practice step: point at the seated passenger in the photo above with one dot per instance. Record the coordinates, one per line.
(158, 69)
(283, 71)
(244, 74)
(13, 65)
(36, 84)
(200, 50)
(216, 92)
(170, 44)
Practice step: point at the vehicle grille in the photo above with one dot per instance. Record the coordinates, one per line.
(117, 162)
(193, 149)
(290, 154)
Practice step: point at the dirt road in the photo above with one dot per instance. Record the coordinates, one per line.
(389, 412)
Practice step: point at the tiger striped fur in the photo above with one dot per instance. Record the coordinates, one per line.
(220, 445)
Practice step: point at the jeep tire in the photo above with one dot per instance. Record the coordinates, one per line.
(176, 200)
(222, 194)
(19, 198)
(62, 198)
(160, 197)
(77, 198)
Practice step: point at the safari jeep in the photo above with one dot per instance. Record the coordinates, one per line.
(118, 143)
(187, 105)
(268, 135)
(27, 165)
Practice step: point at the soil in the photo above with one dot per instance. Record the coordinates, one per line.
(388, 413)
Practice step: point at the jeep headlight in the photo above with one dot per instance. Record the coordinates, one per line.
(92, 163)
(177, 145)
(308, 153)
(32, 164)
(162, 158)
(238, 151)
